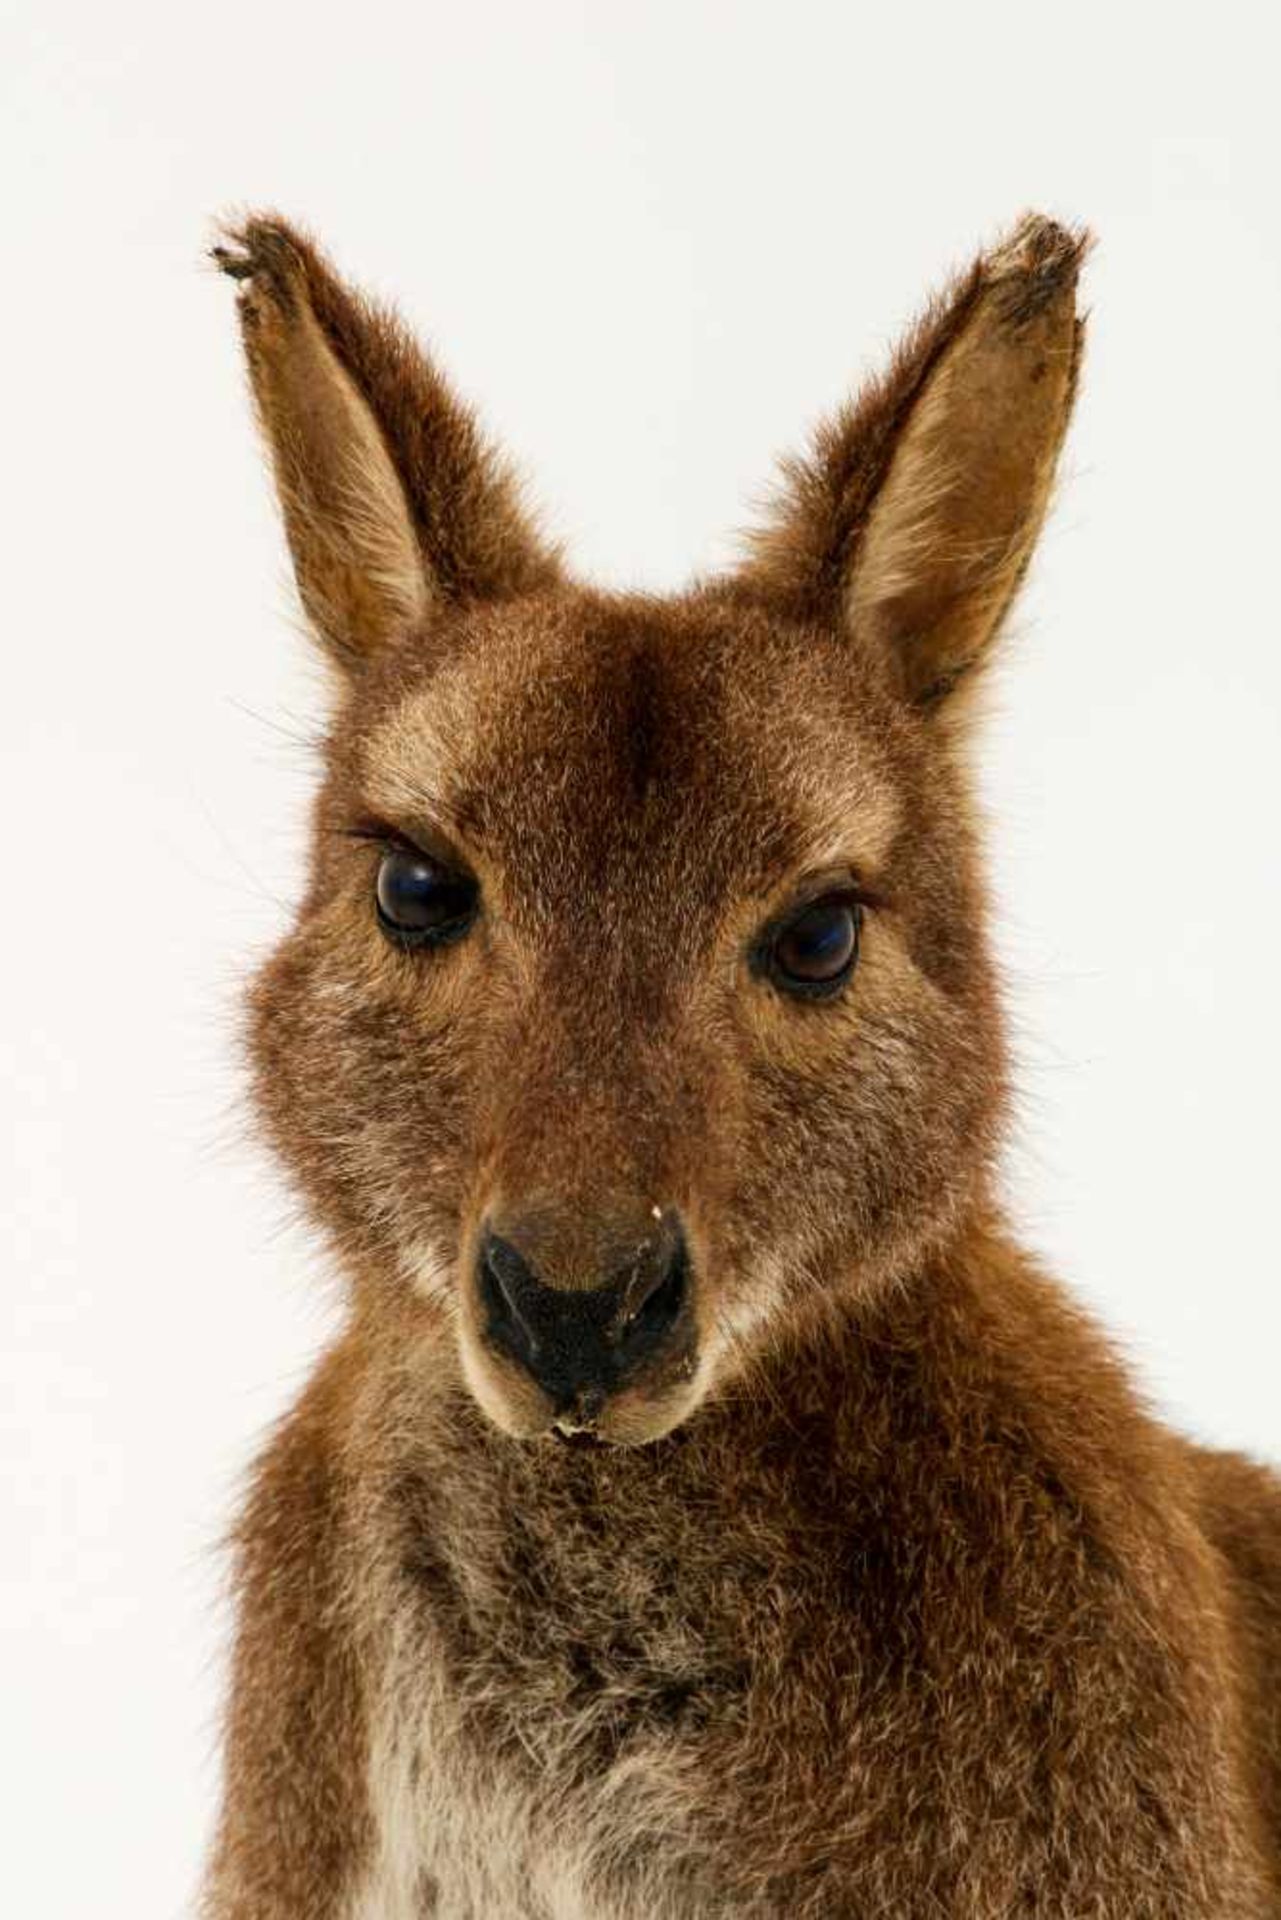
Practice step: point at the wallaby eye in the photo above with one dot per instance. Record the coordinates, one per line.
(815, 952)
(421, 903)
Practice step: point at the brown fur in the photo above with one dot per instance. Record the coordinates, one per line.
(884, 1596)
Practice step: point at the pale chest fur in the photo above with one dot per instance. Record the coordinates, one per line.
(465, 1839)
(541, 1700)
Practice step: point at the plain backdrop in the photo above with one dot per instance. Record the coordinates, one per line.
(653, 243)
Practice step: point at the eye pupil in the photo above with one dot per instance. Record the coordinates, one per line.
(819, 947)
(421, 902)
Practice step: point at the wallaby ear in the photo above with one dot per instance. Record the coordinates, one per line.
(914, 519)
(391, 499)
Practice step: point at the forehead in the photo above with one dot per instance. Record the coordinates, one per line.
(598, 741)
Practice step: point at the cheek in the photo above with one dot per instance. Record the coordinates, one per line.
(360, 1061)
(867, 1114)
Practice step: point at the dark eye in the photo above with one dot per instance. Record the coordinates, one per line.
(815, 953)
(421, 903)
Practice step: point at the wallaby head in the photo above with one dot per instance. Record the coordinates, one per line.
(640, 1003)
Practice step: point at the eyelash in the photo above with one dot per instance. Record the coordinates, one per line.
(845, 890)
(375, 834)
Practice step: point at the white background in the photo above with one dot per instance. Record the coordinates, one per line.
(654, 242)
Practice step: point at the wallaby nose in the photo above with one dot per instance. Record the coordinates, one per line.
(582, 1344)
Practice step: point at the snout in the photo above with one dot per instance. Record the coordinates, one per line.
(590, 1345)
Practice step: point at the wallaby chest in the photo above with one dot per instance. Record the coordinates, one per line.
(735, 1684)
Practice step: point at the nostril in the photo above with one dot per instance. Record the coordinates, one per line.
(505, 1280)
(658, 1307)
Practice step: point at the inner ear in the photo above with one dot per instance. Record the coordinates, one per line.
(357, 562)
(952, 528)
(392, 498)
(912, 521)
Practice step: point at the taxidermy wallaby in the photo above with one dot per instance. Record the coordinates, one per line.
(707, 1509)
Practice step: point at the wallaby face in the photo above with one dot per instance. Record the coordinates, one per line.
(602, 1092)
(639, 999)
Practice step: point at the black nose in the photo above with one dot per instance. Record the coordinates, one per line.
(583, 1344)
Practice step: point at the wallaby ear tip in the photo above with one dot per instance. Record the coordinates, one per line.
(225, 248)
(230, 258)
(263, 253)
(1039, 239)
(258, 229)
(1036, 263)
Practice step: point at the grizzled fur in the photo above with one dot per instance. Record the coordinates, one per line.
(889, 1599)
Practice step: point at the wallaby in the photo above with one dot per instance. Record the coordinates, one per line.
(707, 1508)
